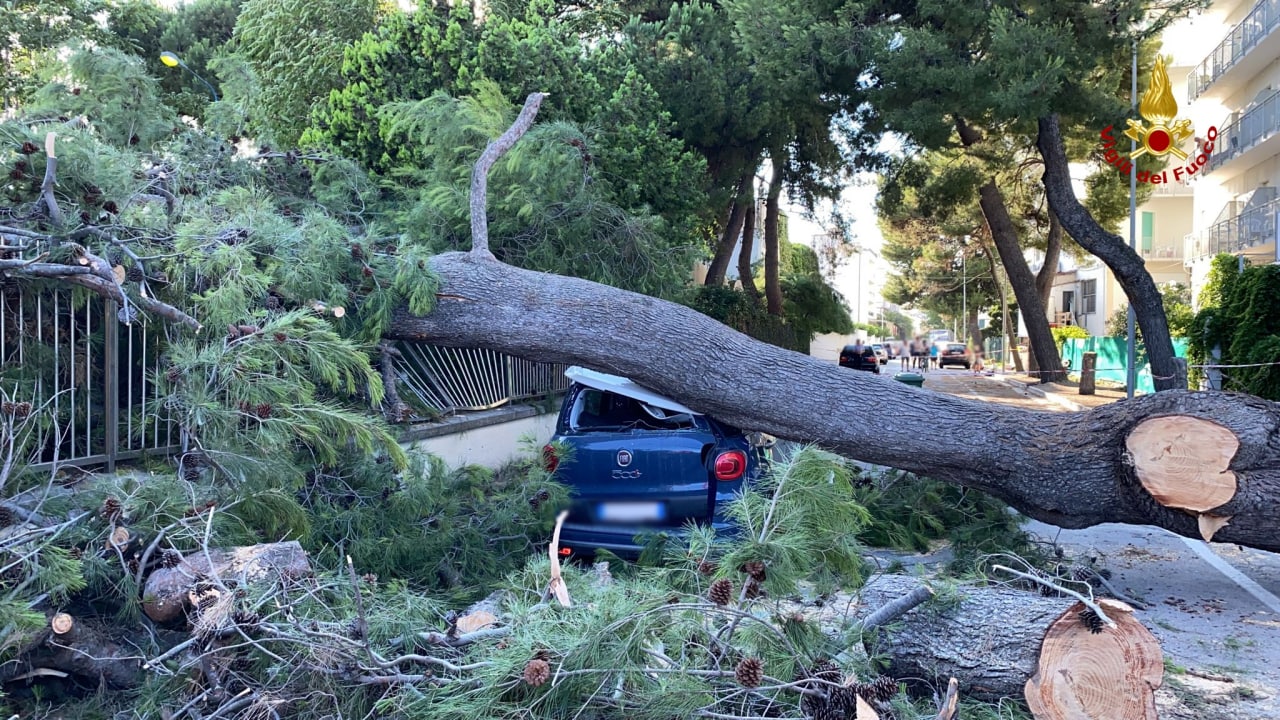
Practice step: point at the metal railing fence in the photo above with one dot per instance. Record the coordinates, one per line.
(1252, 227)
(65, 350)
(446, 380)
(1259, 123)
(1260, 21)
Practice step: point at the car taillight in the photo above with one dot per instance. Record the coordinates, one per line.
(730, 465)
(549, 460)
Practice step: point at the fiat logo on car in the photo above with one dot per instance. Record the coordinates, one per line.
(624, 457)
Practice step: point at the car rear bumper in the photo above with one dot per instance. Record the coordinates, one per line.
(583, 540)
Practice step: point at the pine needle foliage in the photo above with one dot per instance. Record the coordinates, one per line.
(549, 211)
(455, 530)
(801, 521)
(274, 390)
(919, 514)
(111, 87)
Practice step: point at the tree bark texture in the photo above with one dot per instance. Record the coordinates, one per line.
(748, 245)
(1044, 278)
(989, 640)
(1130, 270)
(91, 654)
(1005, 235)
(1069, 469)
(772, 283)
(729, 237)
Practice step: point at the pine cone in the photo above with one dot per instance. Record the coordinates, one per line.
(29, 148)
(369, 579)
(111, 207)
(721, 592)
(190, 472)
(111, 509)
(7, 517)
(749, 672)
(170, 558)
(828, 671)
(281, 337)
(22, 410)
(754, 590)
(357, 252)
(7, 407)
(755, 569)
(707, 568)
(263, 410)
(273, 302)
(537, 672)
(245, 617)
(878, 691)
(538, 498)
(1091, 620)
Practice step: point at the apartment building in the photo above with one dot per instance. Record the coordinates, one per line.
(1235, 86)
(1225, 74)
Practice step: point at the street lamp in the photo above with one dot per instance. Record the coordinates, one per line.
(172, 60)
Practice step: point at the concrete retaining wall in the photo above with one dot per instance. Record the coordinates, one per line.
(489, 438)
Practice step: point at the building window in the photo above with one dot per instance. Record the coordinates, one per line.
(1088, 296)
(1068, 301)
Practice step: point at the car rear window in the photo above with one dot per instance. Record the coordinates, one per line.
(599, 410)
(955, 347)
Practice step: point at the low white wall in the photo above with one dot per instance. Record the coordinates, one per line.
(491, 445)
(828, 346)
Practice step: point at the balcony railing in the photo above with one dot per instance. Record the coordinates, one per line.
(1253, 127)
(1243, 37)
(1249, 229)
(1164, 252)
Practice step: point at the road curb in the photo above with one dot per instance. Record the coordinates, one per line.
(1036, 392)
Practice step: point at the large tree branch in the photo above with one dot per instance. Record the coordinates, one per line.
(96, 276)
(480, 174)
(50, 179)
(1130, 270)
(1070, 469)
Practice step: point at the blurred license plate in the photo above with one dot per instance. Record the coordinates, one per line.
(630, 511)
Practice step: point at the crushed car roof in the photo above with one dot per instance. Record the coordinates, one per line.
(626, 387)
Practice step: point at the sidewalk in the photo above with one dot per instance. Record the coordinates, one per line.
(1065, 395)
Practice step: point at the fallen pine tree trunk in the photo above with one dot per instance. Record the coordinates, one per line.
(1201, 464)
(999, 642)
(988, 638)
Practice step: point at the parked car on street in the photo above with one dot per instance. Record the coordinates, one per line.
(953, 354)
(882, 352)
(860, 359)
(637, 462)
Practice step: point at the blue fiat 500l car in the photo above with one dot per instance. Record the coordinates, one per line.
(638, 463)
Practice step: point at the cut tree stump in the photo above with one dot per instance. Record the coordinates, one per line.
(75, 646)
(1183, 462)
(167, 592)
(1108, 675)
(997, 642)
(988, 638)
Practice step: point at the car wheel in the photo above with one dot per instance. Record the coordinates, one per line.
(966, 366)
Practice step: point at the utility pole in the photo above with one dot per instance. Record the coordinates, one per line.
(1131, 378)
(964, 293)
